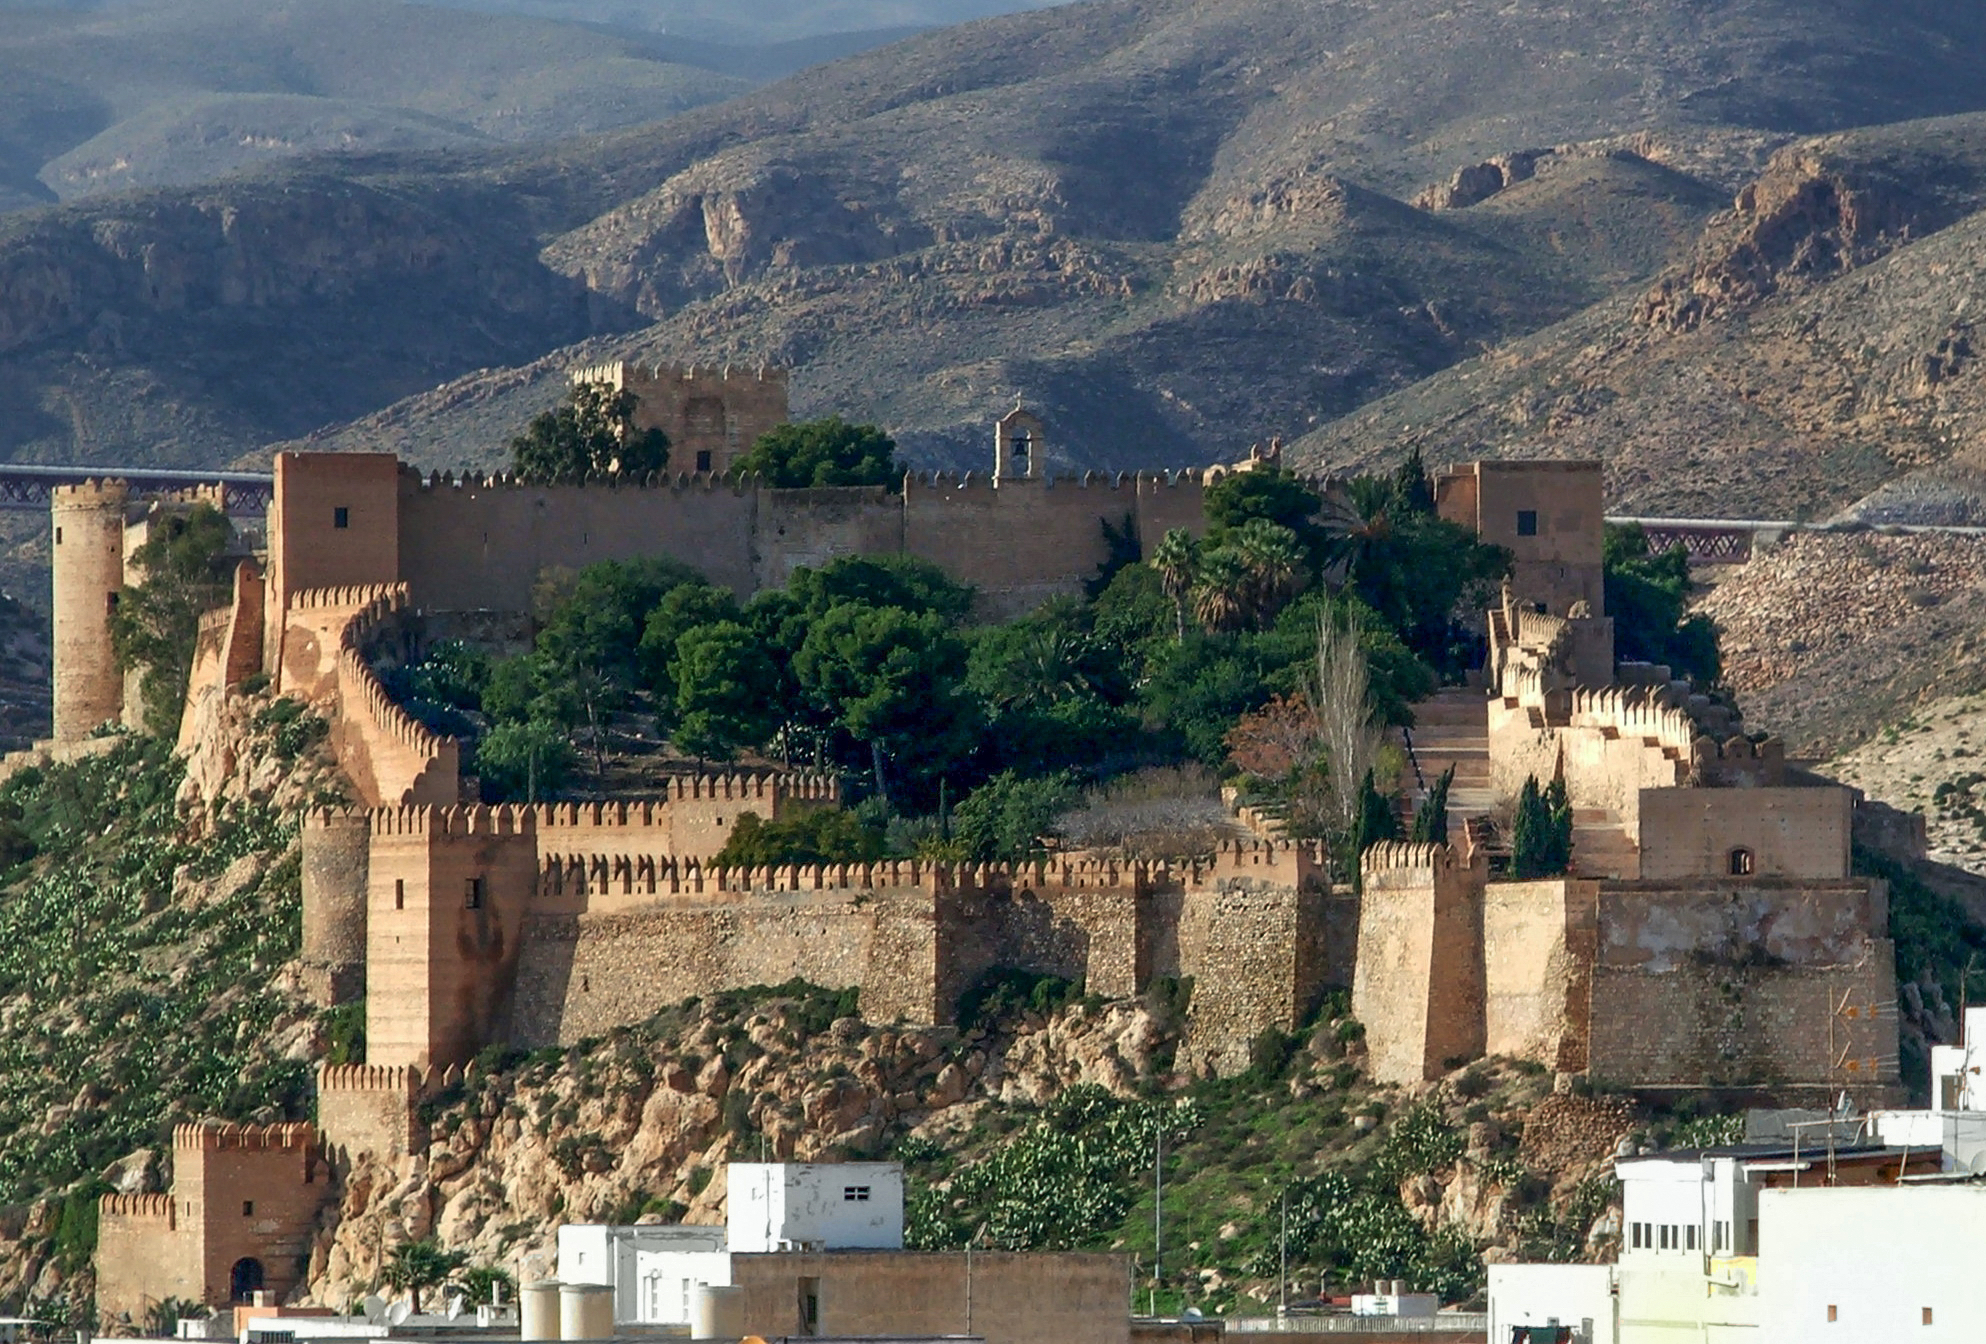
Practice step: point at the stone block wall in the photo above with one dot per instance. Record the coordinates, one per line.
(142, 1257)
(1255, 944)
(1559, 561)
(1744, 983)
(712, 416)
(86, 558)
(336, 851)
(1782, 832)
(1538, 950)
(373, 1108)
(1419, 985)
(1014, 1298)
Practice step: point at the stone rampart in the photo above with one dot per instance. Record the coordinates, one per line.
(1419, 984)
(1538, 950)
(711, 415)
(371, 1108)
(142, 1257)
(1744, 982)
(388, 756)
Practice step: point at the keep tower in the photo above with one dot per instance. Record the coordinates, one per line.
(88, 571)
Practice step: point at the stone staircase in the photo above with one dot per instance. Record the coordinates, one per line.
(1450, 728)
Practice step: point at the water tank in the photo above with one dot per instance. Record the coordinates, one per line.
(538, 1311)
(717, 1312)
(586, 1311)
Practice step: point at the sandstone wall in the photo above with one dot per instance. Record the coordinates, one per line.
(1744, 982)
(252, 1192)
(1418, 989)
(86, 559)
(336, 851)
(1016, 1298)
(1538, 950)
(439, 968)
(1787, 832)
(711, 415)
(307, 546)
(583, 974)
(1560, 562)
(143, 1256)
(370, 1108)
(480, 543)
(1255, 950)
(796, 528)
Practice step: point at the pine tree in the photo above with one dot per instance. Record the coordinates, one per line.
(1541, 833)
(1431, 822)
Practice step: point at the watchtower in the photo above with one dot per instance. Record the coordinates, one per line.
(87, 559)
(1020, 446)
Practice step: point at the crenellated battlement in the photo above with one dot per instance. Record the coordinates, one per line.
(93, 493)
(395, 1078)
(676, 482)
(146, 1208)
(1399, 856)
(355, 595)
(634, 376)
(215, 1138)
(1138, 482)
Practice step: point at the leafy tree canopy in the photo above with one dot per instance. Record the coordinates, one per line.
(1648, 598)
(157, 622)
(823, 452)
(824, 835)
(590, 434)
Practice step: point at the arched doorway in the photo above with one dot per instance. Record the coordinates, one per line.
(245, 1279)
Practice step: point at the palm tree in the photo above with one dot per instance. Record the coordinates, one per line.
(1274, 560)
(1221, 597)
(1357, 521)
(1177, 560)
(417, 1265)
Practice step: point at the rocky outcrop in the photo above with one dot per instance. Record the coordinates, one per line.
(1477, 182)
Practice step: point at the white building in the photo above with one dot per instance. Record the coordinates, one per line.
(603, 1254)
(1693, 1251)
(655, 1271)
(1876, 1263)
(1579, 1298)
(1956, 1122)
(783, 1206)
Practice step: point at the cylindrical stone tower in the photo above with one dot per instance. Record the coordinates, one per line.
(336, 864)
(88, 563)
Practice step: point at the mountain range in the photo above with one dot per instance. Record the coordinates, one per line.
(1177, 228)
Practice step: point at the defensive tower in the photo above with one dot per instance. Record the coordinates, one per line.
(87, 559)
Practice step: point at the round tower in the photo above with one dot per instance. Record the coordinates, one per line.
(87, 557)
(337, 859)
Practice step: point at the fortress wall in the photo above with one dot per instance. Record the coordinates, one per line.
(438, 970)
(1730, 982)
(307, 547)
(1097, 934)
(1256, 953)
(369, 1108)
(1607, 756)
(253, 1192)
(808, 528)
(1538, 950)
(581, 975)
(704, 410)
(1169, 501)
(227, 651)
(389, 757)
(143, 1256)
(481, 544)
(1419, 985)
(1789, 832)
(336, 851)
(1020, 543)
(1561, 562)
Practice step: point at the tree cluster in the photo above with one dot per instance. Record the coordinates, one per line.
(1648, 598)
(591, 435)
(157, 621)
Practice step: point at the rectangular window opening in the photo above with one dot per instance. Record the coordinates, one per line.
(1689, 1234)
(341, 517)
(472, 894)
(1927, 1315)
(1527, 522)
(1833, 1313)
(58, 536)
(810, 1306)
(857, 1194)
(399, 893)
(703, 460)
(248, 1208)
(110, 602)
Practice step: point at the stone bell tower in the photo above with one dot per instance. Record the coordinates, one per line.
(1020, 446)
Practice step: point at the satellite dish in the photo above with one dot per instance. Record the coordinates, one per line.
(398, 1313)
(1977, 1165)
(374, 1307)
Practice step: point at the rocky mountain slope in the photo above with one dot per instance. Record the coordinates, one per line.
(1075, 204)
(1812, 356)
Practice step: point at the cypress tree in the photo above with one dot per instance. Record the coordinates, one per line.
(1431, 822)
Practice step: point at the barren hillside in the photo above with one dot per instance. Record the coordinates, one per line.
(1179, 227)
